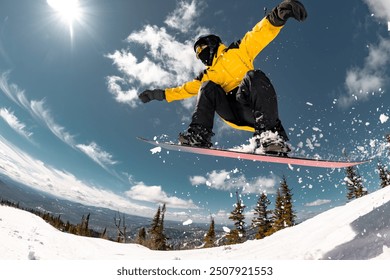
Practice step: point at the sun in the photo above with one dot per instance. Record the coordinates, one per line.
(68, 10)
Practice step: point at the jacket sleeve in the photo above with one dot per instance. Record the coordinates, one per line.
(186, 90)
(259, 37)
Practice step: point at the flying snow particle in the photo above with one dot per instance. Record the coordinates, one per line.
(188, 222)
(309, 144)
(155, 150)
(226, 229)
(372, 143)
(388, 25)
(309, 104)
(383, 118)
(361, 149)
(347, 180)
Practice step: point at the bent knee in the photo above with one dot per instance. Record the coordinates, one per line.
(257, 75)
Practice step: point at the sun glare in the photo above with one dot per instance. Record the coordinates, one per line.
(68, 10)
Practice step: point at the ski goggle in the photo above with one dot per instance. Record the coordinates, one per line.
(199, 49)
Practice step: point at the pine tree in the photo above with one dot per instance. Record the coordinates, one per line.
(153, 230)
(162, 239)
(277, 214)
(155, 221)
(283, 215)
(157, 237)
(233, 237)
(82, 228)
(354, 183)
(141, 237)
(349, 181)
(209, 239)
(261, 221)
(238, 235)
(384, 175)
(289, 214)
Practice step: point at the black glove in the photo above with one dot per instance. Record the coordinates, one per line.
(149, 95)
(288, 8)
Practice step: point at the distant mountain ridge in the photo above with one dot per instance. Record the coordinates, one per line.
(100, 218)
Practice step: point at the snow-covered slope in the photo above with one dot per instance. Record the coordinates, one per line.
(358, 230)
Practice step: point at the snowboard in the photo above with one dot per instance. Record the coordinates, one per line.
(254, 157)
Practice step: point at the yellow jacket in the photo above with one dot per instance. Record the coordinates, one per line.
(231, 64)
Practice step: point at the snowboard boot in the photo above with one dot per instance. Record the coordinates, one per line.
(269, 142)
(197, 136)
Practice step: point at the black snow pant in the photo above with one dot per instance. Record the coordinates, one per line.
(253, 103)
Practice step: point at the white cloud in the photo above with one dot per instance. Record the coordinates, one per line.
(263, 184)
(12, 91)
(122, 96)
(218, 179)
(166, 61)
(380, 8)
(10, 118)
(229, 181)
(36, 108)
(97, 154)
(198, 180)
(361, 83)
(23, 168)
(156, 194)
(318, 202)
(183, 17)
(146, 72)
(40, 112)
(168, 58)
(93, 151)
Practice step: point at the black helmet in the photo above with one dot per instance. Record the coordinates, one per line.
(206, 47)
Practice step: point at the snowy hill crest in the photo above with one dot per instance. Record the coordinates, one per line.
(358, 230)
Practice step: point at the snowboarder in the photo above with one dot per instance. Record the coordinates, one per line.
(230, 86)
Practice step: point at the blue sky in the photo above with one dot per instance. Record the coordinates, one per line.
(70, 115)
